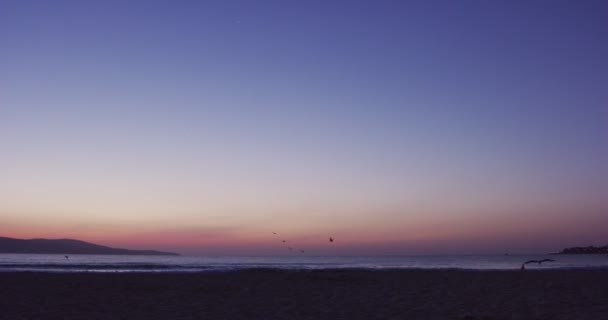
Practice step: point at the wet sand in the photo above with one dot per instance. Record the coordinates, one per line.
(329, 294)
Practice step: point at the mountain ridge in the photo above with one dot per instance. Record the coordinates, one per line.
(585, 250)
(67, 246)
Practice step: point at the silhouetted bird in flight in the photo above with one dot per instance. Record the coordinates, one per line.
(284, 241)
(523, 266)
(301, 251)
(274, 233)
(67, 258)
(290, 248)
(331, 239)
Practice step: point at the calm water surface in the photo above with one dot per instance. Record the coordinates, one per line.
(111, 263)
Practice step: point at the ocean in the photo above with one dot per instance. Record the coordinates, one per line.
(125, 263)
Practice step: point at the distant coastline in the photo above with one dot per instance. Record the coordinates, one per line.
(585, 250)
(68, 246)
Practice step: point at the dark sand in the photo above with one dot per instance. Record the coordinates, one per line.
(267, 294)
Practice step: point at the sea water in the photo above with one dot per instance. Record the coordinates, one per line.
(126, 263)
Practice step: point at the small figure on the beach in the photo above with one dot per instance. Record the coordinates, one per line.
(523, 266)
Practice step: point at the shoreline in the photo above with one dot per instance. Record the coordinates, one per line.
(311, 294)
(211, 270)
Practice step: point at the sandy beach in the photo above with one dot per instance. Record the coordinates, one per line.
(329, 294)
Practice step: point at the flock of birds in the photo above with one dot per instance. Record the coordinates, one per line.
(292, 249)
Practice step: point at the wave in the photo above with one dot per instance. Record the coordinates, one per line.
(98, 263)
(132, 267)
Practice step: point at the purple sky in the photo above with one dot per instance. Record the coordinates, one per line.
(401, 126)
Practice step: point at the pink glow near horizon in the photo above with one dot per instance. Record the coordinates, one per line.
(440, 234)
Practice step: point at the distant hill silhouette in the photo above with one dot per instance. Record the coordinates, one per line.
(585, 250)
(67, 246)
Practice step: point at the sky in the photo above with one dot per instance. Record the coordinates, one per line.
(397, 127)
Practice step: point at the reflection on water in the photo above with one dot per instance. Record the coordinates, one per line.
(111, 263)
